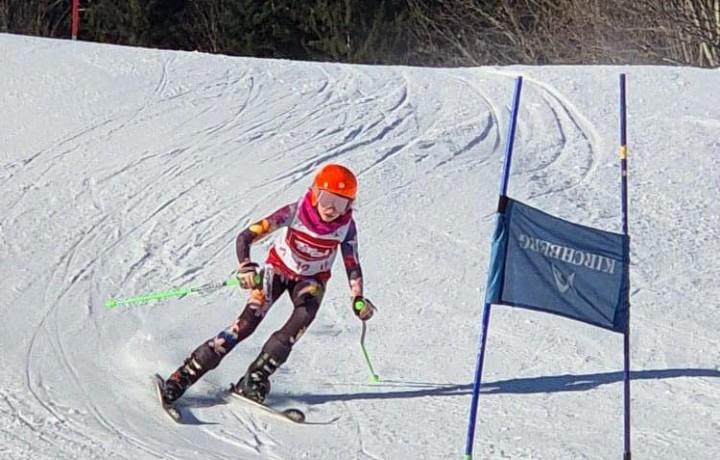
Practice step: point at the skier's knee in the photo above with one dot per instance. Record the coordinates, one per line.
(247, 322)
(308, 295)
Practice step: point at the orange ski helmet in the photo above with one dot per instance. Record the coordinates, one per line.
(336, 179)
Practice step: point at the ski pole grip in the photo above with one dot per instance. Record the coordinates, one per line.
(359, 304)
(257, 279)
(233, 281)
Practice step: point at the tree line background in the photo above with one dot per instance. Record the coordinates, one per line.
(409, 32)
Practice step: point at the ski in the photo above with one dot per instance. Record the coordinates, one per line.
(172, 412)
(292, 414)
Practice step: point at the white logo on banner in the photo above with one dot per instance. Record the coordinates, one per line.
(562, 282)
(567, 254)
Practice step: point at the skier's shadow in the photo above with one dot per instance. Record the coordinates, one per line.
(529, 385)
(188, 403)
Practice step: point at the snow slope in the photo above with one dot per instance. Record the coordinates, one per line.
(126, 171)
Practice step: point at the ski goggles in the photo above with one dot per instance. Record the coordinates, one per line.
(327, 199)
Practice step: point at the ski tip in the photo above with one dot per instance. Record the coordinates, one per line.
(296, 415)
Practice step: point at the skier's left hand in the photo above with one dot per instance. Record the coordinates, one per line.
(363, 308)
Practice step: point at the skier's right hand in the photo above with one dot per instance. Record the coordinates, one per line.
(246, 274)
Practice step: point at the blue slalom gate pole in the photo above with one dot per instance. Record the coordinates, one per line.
(624, 197)
(486, 309)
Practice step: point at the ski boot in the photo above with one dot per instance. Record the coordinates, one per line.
(180, 380)
(255, 384)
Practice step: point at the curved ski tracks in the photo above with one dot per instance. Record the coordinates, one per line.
(386, 135)
(69, 433)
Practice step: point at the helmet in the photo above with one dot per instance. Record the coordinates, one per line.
(336, 179)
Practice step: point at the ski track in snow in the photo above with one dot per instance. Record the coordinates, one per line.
(384, 115)
(149, 190)
(572, 156)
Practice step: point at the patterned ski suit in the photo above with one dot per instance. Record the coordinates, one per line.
(299, 262)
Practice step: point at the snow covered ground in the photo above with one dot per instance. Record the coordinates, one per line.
(126, 171)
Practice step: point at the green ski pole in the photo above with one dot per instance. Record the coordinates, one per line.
(178, 292)
(374, 378)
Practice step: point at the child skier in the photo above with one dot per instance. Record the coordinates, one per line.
(299, 262)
